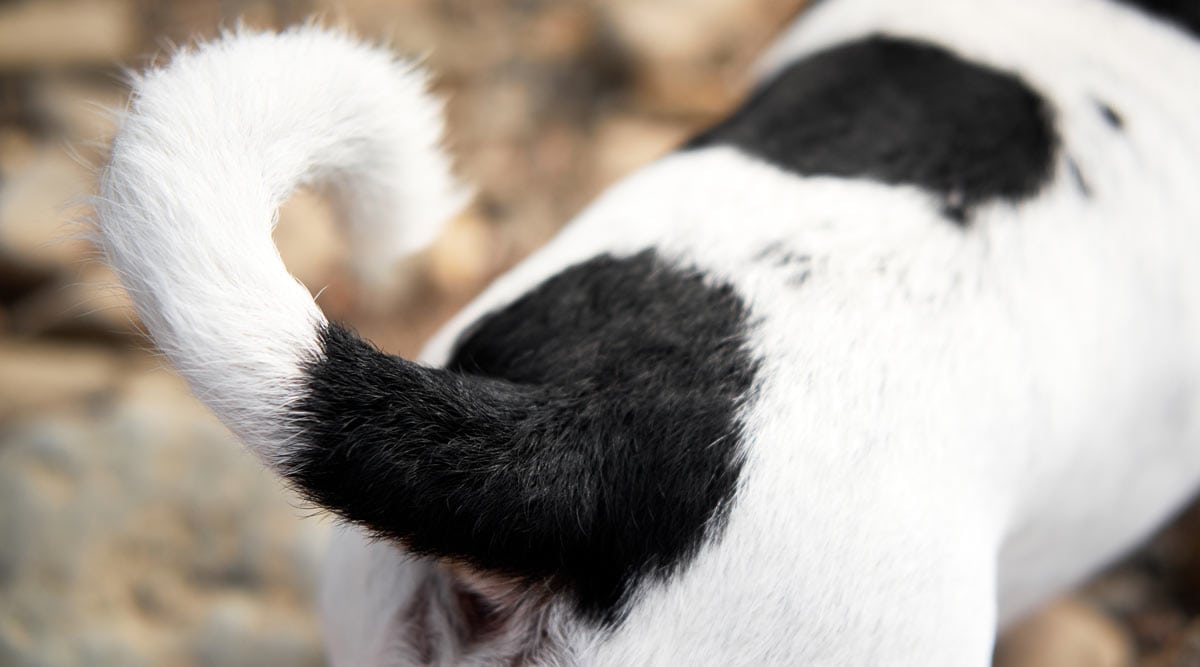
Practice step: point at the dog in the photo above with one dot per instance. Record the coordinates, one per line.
(907, 344)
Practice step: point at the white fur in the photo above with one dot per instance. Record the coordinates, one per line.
(953, 426)
(209, 148)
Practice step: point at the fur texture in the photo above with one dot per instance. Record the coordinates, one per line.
(796, 415)
(584, 436)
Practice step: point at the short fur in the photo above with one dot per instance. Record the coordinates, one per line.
(600, 409)
(762, 402)
(901, 112)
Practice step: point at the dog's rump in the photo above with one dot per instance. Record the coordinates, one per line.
(584, 435)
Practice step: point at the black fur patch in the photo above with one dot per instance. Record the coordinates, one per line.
(585, 435)
(901, 112)
(1184, 13)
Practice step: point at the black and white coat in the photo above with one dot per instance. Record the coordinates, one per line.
(903, 347)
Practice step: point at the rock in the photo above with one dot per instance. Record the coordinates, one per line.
(627, 142)
(236, 634)
(35, 376)
(1065, 634)
(501, 109)
(17, 148)
(39, 199)
(88, 303)
(81, 110)
(465, 256)
(138, 532)
(67, 32)
(676, 45)
(35, 241)
(694, 56)
(562, 31)
(676, 31)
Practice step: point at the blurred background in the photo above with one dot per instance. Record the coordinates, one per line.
(133, 529)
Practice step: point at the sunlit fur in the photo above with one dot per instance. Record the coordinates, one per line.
(208, 149)
(952, 424)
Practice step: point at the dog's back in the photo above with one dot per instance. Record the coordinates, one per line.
(899, 349)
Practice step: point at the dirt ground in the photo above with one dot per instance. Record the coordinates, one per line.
(133, 529)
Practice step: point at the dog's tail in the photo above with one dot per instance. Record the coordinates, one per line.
(208, 149)
(592, 478)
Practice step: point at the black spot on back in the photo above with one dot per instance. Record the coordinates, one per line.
(901, 112)
(1183, 13)
(1111, 116)
(586, 435)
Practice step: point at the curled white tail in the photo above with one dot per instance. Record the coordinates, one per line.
(210, 146)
